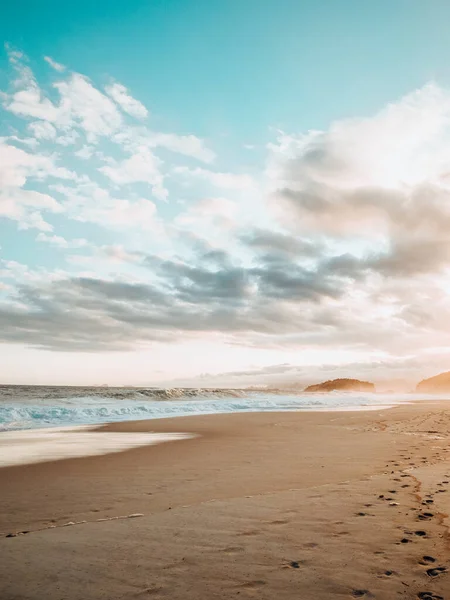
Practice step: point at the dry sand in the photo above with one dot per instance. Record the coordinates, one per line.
(273, 505)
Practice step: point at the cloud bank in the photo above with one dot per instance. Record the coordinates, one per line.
(340, 241)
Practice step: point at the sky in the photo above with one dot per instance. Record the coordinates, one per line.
(213, 193)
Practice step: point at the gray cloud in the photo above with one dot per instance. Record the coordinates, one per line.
(274, 242)
(211, 294)
(357, 265)
(293, 291)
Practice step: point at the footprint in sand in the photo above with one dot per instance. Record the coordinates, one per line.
(278, 522)
(294, 564)
(425, 516)
(361, 594)
(426, 560)
(310, 545)
(386, 574)
(149, 591)
(435, 571)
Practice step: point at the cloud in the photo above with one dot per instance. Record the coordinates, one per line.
(342, 243)
(388, 372)
(369, 170)
(85, 152)
(79, 104)
(88, 202)
(87, 107)
(136, 138)
(211, 294)
(29, 100)
(221, 180)
(189, 145)
(42, 130)
(379, 185)
(272, 302)
(127, 103)
(17, 168)
(210, 213)
(61, 242)
(141, 167)
(280, 243)
(54, 65)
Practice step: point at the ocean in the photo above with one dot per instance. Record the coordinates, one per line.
(41, 423)
(33, 407)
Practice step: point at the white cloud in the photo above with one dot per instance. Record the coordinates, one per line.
(85, 152)
(42, 130)
(91, 203)
(17, 167)
(117, 253)
(88, 108)
(378, 170)
(60, 242)
(80, 104)
(189, 145)
(221, 180)
(30, 142)
(127, 103)
(141, 167)
(29, 101)
(68, 139)
(54, 65)
(25, 206)
(133, 138)
(210, 212)
(124, 213)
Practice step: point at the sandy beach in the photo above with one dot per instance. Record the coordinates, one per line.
(287, 505)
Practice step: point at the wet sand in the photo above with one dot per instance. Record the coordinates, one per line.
(285, 505)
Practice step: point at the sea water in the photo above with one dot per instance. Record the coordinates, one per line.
(48, 423)
(29, 407)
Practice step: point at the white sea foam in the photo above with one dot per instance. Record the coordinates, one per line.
(42, 445)
(31, 408)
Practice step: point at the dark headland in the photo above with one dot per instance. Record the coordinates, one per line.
(349, 385)
(438, 383)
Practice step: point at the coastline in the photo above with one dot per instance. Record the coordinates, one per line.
(257, 504)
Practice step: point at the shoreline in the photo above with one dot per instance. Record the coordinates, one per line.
(251, 496)
(39, 413)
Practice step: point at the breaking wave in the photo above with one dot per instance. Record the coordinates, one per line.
(30, 408)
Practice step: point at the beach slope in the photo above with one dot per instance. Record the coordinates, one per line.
(286, 505)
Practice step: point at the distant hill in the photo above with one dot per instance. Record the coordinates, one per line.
(348, 385)
(438, 383)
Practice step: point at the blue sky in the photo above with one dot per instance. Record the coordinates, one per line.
(214, 191)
